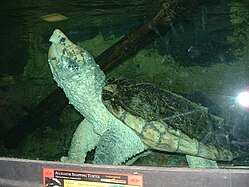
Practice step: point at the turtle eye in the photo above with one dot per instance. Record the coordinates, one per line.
(62, 40)
(73, 65)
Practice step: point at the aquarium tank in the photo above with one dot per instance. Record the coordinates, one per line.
(141, 83)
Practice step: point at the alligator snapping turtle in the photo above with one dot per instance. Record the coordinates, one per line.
(132, 118)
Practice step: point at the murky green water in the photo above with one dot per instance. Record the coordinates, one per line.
(202, 56)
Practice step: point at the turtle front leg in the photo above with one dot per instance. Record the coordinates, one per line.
(117, 145)
(84, 140)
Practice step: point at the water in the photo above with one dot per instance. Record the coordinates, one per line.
(202, 57)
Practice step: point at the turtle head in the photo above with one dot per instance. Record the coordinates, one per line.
(69, 62)
(65, 58)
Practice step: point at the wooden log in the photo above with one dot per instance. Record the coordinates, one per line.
(170, 11)
(124, 49)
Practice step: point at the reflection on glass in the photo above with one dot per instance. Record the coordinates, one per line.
(199, 58)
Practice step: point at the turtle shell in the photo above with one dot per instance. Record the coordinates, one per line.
(154, 104)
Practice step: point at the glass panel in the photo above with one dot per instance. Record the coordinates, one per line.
(194, 55)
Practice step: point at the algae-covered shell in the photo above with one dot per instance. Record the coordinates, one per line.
(154, 104)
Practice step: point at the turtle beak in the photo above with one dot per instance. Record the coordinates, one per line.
(56, 47)
(57, 37)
